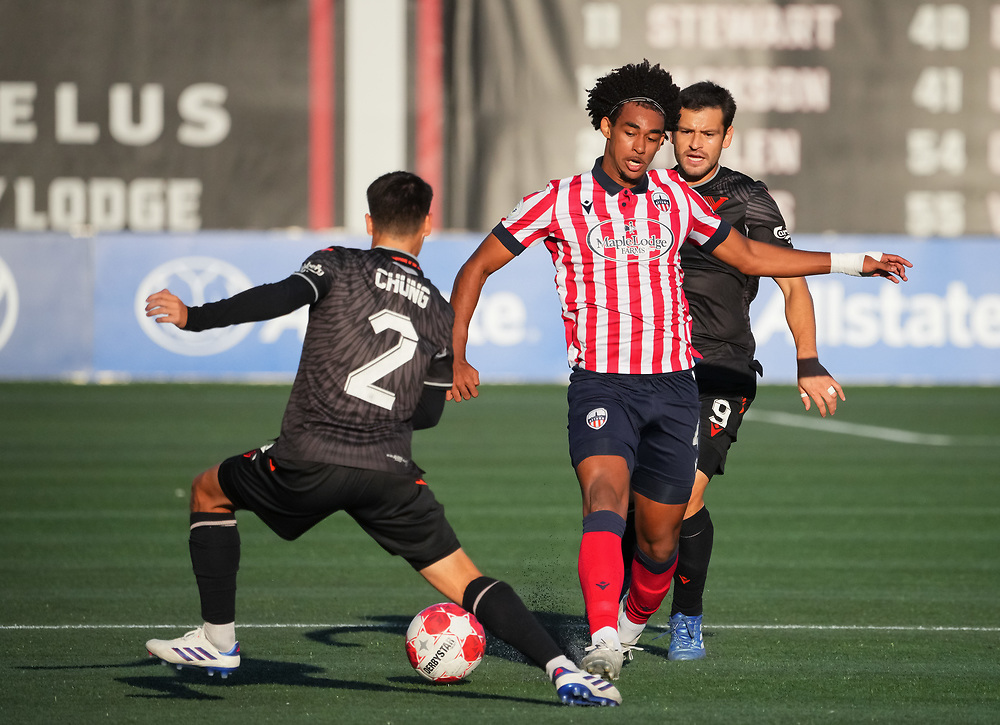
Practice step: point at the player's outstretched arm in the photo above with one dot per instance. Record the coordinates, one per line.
(167, 307)
(490, 256)
(815, 383)
(767, 260)
(263, 302)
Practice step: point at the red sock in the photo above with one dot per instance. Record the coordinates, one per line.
(650, 584)
(601, 568)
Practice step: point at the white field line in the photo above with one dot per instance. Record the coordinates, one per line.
(867, 431)
(399, 627)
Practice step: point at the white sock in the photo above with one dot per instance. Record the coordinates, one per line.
(223, 636)
(556, 662)
(628, 630)
(608, 635)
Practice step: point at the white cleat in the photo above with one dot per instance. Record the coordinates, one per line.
(579, 688)
(194, 650)
(604, 659)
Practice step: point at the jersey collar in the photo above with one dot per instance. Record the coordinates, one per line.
(613, 187)
(402, 258)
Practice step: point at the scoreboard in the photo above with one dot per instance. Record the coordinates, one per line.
(863, 116)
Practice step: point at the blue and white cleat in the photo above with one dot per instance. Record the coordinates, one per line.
(579, 688)
(194, 650)
(686, 641)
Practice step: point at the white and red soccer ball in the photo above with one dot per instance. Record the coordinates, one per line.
(445, 643)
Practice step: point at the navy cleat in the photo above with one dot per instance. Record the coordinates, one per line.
(194, 650)
(686, 641)
(579, 688)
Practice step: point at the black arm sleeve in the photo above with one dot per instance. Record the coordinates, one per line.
(430, 407)
(264, 302)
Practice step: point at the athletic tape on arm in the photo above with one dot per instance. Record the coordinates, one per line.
(850, 262)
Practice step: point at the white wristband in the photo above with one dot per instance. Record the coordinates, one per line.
(847, 263)
(851, 263)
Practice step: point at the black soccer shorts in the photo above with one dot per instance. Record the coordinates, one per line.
(398, 511)
(721, 418)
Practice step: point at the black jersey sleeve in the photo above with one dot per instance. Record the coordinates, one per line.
(264, 302)
(439, 373)
(429, 407)
(764, 222)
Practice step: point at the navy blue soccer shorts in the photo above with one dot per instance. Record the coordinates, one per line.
(398, 511)
(649, 420)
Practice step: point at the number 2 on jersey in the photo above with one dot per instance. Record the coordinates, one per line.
(361, 381)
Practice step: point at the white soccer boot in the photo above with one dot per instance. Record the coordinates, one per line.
(194, 650)
(579, 688)
(604, 657)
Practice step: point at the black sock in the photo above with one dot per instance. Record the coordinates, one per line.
(215, 558)
(694, 552)
(501, 611)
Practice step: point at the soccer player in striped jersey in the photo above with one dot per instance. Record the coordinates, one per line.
(376, 364)
(614, 234)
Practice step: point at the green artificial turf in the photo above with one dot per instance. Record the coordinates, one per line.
(854, 579)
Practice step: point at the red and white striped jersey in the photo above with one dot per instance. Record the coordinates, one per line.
(617, 257)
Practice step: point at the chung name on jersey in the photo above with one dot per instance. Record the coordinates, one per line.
(404, 285)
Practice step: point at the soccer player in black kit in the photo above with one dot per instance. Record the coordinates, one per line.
(376, 364)
(719, 298)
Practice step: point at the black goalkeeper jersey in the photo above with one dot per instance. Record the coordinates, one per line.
(377, 333)
(719, 295)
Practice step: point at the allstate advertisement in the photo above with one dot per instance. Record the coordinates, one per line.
(942, 326)
(74, 309)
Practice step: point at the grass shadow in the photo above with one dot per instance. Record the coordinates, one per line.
(192, 684)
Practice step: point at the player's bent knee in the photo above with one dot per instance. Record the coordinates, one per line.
(661, 552)
(207, 495)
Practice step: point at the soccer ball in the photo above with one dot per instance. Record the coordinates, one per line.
(445, 643)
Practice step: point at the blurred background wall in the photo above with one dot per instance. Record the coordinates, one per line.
(209, 145)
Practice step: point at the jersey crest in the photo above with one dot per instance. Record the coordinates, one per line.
(661, 201)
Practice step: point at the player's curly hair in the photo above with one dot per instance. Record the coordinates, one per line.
(634, 81)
